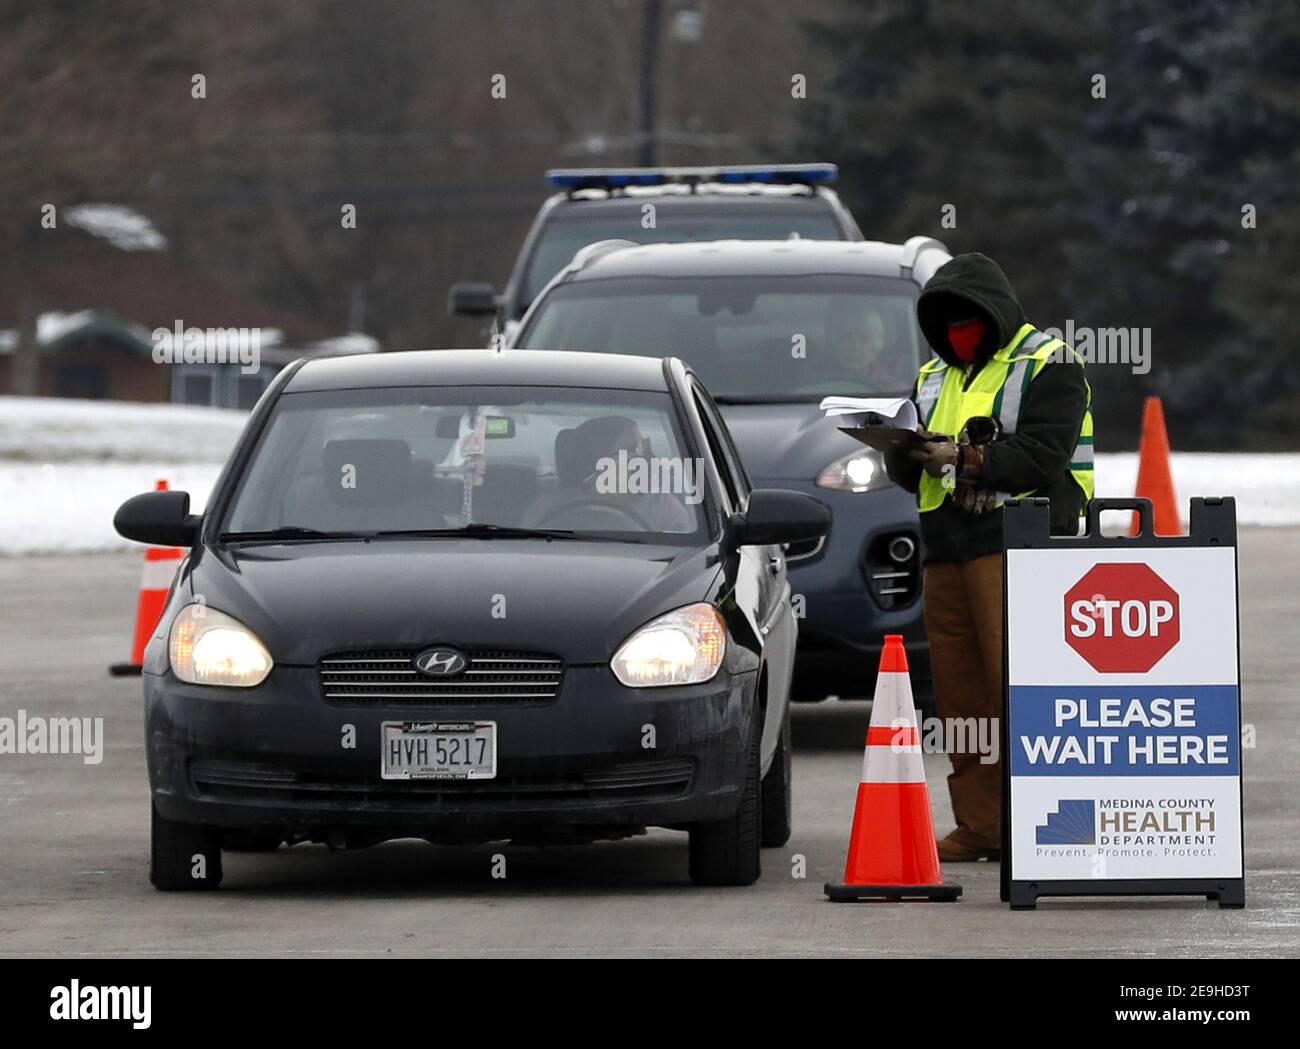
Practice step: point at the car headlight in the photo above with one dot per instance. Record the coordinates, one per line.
(859, 471)
(683, 647)
(207, 647)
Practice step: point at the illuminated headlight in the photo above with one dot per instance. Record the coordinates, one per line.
(207, 647)
(859, 471)
(683, 647)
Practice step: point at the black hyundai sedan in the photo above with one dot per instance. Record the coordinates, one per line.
(465, 597)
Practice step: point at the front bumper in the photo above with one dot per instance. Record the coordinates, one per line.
(844, 623)
(280, 757)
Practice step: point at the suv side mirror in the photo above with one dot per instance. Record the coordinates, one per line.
(776, 515)
(469, 298)
(160, 518)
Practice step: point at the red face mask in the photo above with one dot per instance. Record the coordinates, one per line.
(964, 337)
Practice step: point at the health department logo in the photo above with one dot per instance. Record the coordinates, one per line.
(1073, 823)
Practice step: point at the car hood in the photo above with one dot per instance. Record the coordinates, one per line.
(785, 442)
(578, 600)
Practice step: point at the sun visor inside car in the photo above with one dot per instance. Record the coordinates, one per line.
(369, 471)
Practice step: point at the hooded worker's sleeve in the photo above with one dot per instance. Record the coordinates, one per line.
(1039, 451)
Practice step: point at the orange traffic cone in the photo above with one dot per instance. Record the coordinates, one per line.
(892, 854)
(159, 570)
(1155, 478)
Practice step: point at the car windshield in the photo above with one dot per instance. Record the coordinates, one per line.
(748, 338)
(486, 460)
(561, 238)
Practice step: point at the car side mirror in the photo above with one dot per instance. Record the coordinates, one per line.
(776, 515)
(469, 298)
(159, 518)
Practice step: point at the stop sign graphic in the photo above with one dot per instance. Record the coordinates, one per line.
(1121, 618)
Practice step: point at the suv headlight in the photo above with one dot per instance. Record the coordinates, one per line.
(859, 471)
(682, 647)
(207, 647)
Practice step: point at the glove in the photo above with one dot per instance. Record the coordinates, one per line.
(975, 500)
(934, 456)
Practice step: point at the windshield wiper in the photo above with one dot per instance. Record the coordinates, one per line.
(288, 532)
(485, 530)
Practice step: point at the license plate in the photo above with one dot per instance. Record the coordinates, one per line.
(439, 750)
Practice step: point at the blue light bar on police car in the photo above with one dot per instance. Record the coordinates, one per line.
(733, 174)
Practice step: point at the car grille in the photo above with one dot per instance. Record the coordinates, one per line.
(389, 677)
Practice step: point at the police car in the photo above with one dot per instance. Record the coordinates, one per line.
(661, 205)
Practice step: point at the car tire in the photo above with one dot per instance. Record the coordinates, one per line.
(175, 853)
(778, 803)
(727, 852)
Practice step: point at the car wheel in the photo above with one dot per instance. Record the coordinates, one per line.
(777, 801)
(183, 856)
(727, 852)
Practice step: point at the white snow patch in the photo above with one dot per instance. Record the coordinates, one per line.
(68, 507)
(1266, 486)
(121, 226)
(60, 429)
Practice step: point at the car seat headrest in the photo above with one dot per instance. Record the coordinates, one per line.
(366, 471)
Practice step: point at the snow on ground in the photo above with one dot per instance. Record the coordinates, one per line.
(50, 429)
(66, 465)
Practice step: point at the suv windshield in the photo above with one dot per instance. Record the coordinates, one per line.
(486, 460)
(561, 238)
(748, 338)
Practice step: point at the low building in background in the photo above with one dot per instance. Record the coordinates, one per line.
(115, 317)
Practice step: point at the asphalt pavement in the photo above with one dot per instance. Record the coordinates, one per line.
(74, 837)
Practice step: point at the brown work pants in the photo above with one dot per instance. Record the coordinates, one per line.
(963, 619)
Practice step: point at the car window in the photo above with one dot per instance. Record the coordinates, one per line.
(725, 469)
(759, 337)
(559, 240)
(736, 468)
(600, 462)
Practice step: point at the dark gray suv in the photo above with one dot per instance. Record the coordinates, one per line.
(772, 327)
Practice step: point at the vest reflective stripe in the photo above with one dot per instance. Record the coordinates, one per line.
(1007, 405)
(927, 394)
(1082, 458)
(944, 404)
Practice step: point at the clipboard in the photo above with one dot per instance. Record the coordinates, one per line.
(888, 438)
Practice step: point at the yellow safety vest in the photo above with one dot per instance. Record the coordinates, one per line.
(998, 389)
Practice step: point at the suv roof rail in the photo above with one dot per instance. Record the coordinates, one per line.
(912, 248)
(573, 179)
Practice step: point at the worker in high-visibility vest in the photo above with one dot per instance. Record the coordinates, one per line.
(1008, 413)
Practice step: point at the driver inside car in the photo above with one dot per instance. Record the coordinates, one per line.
(857, 347)
(589, 492)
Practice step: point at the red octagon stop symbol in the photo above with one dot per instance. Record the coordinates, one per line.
(1121, 618)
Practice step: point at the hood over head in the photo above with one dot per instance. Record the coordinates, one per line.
(966, 286)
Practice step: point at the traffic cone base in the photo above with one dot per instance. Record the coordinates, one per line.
(944, 893)
(892, 851)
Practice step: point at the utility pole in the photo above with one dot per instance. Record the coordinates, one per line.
(647, 153)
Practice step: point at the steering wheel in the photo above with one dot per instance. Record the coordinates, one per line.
(600, 506)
